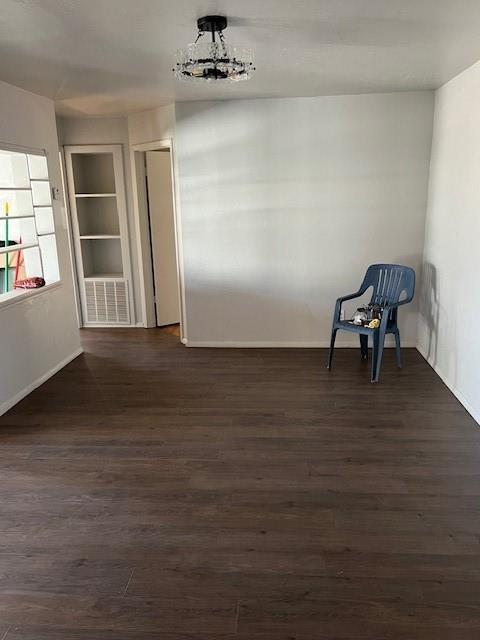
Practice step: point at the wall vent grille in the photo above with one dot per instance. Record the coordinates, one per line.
(107, 301)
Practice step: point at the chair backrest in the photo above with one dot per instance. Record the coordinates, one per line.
(389, 282)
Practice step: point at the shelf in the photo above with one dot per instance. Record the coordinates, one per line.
(106, 276)
(98, 217)
(95, 195)
(99, 224)
(100, 237)
(101, 255)
(93, 173)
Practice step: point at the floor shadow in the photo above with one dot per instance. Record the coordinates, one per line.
(429, 308)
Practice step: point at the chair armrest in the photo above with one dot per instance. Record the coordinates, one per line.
(387, 310)
(351, 296)
(340, 301)
(406, 301)
(395, 305)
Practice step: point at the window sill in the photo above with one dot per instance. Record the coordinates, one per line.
(22, 295)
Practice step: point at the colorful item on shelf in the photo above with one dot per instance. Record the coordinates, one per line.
(7, 265)
(7, 260)
(30, 283)
(20, 264)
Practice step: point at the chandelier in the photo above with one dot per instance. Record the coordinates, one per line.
(215, 60)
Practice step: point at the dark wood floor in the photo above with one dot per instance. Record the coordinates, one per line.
(149, 491)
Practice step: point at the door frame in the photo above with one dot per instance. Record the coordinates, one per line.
(142, 232)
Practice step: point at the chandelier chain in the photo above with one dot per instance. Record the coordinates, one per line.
(224, 46)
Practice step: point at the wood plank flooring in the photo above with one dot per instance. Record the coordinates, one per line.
(149, 491)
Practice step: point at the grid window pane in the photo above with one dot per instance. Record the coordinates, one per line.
(31, 263)
(25, 193)
(19, 203)
(13, 257)
(27, 232)
(41, 193)
(44, 220)
(38, 168)
(9, 232)
(21, 231)
(13, 170)
(48, 247)
(11, 260)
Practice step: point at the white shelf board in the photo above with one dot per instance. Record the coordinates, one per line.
(100, 237)
(95, 195)
(106, 276)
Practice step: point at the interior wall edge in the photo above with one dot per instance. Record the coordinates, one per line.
(456, 392)
(11, 402)
(449, 301)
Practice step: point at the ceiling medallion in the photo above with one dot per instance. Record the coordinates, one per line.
(215, 60)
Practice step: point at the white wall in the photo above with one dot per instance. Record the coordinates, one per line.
(38, 334)
(73, 131)
(285, 202)
(450, 301)
(153, 125)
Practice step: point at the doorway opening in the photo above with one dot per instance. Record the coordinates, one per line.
(162, 237)
(158, 238)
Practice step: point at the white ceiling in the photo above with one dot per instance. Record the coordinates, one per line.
(98, 57)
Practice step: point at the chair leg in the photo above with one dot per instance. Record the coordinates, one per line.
(398, 351)
(374, 356)
(332, 345)
(378, 343)
(364, 346)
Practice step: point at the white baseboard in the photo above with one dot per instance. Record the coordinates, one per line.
(8, 404)
(475, 413)
(98, 325)
(321, 344)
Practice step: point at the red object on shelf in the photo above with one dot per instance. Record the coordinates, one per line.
(29, 283)
(19, 262)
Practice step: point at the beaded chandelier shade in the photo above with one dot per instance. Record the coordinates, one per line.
(205, 61)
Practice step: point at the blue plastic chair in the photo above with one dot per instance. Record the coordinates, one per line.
(389, 282)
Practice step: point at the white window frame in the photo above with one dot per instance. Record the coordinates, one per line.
(17, 295)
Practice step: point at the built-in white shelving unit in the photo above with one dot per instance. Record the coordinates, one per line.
(95, 181)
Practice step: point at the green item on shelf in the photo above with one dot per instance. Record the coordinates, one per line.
(7, 261)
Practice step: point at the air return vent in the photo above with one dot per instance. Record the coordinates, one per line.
(107, 301)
